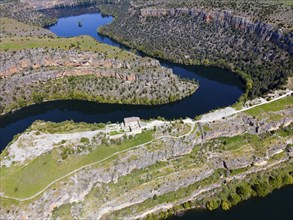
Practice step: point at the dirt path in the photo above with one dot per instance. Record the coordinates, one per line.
(217, 115)
(95, 163)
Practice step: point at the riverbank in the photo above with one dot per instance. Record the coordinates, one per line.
(142, 172)
(219, 38)
(78, 170)
(38, 68)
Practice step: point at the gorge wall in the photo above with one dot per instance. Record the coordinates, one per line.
(260, 52)
(185, 162)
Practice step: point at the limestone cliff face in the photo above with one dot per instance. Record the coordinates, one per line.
(76, 189)
(85, 75)
(84, 62)
(258, 51)
(229, 20)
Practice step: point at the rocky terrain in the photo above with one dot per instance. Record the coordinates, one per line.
(194, 33)
(74, 170)
(275, 13)
(137, 177)
(44, 4)
(24, 13)
(37, 66)
(253, 39)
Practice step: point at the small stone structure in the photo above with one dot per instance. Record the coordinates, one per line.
(132, 124)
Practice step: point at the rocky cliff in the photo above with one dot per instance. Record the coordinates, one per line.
(172, 169)
(23, 12)
(226, 18)
(31, 75)
(259, 51)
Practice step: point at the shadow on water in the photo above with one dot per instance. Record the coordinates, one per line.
(276, 206)
(218, 88)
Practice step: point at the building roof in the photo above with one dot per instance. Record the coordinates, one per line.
(131, 119)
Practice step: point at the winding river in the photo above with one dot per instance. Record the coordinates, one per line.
(218, 88)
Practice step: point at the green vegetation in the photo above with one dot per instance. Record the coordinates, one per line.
(83, 43)
(23, 12)
(92, 88)
(10, 27)
(213, 43)
(90, 85)
(26, 180)
(278, 105)
(64, 127)
(258, 184)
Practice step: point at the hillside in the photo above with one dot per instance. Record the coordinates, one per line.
(79, 170)
(23, 12)
(252, 39)
(161, 168)
(37, 66)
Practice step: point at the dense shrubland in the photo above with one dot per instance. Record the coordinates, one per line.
(37, 69)
(23, 12)
(260, 55)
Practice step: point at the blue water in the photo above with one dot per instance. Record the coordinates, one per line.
(218, 88)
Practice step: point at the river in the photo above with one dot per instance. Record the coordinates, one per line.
(218, 88)
(275, 206)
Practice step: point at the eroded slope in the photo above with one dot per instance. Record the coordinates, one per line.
(101, 171)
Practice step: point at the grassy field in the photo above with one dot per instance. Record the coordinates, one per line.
(272, 107)
(12, 27)
(84, 43)
(65, 127)
(25, 181)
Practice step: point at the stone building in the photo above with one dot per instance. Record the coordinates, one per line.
(132, 124)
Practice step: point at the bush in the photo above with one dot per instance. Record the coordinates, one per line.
(37, 97)
(84, 140)
(212, 204)
(226, 205)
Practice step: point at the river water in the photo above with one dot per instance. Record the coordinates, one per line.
(218, 88)
(275, 206)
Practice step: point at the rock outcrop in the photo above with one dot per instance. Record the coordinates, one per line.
(31, 73)
(196, 33)
(88, 190)
(23, 12)
(263, 30)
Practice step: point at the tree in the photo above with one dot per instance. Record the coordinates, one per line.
(234, 198)
(37, 97)
(243, 191)
(262, 188)
(212, 204)
(226, 205)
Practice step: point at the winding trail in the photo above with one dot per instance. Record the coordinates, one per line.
(100, 161)
(216, 115)
(226, 112)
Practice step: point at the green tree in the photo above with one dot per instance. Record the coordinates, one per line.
(37, 97)
(262, 188)
(234, 198)
(212, 204)
(226, 205)
(244, 191)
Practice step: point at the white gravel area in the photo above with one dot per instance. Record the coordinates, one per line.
(29, 145)
(218, 114)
